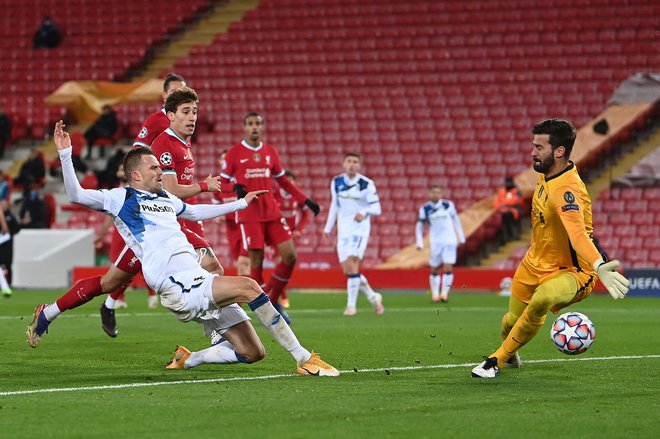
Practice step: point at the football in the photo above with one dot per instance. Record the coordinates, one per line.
(572, 333)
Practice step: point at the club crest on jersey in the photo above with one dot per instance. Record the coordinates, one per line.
(166, 158)
(256, 157)
(143, 133)
(569, 197)
(268, 160)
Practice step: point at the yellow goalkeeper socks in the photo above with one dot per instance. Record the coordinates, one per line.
(523, 331)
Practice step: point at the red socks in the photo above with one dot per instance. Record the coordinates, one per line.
(279, 281)
(82, 292)
(119, 292)
(257, 273)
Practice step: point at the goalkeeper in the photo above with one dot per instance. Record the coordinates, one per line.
(563, 263)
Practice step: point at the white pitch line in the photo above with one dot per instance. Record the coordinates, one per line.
(429, 309)
(269, 377)
(337, 311)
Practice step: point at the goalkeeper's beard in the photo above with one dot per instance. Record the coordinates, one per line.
(544, 165)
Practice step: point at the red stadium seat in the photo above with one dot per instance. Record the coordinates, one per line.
(371, 76)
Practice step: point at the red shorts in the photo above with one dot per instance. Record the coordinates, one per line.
(258, 235)
(235, 240)
(194, 237)
(194, 226)
(128, 262)
(117, 244)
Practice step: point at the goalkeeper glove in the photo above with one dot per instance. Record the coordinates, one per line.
(240, 190)
(616, 284)
(313, 206)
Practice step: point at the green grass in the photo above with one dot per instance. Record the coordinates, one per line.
(600, 398)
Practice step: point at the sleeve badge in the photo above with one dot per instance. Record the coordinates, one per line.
(166, 158)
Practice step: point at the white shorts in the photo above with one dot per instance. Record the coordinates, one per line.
(220, 320)
(442, 254)
(351, 245)
(188, 294)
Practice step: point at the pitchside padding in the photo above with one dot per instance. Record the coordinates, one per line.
(45, 258)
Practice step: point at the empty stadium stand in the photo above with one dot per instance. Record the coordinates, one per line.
(102, 40)
(427, 91)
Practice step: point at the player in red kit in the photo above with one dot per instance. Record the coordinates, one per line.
(252, 165)
(158, 122)
(296, 215)
(181, 107)
(173, 150)
(233, 230)
(121, 255)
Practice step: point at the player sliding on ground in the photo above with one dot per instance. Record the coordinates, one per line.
(146, 216)
(562, 264)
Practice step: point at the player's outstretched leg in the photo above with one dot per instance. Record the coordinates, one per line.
(237, 344)
(82, 292)
(241, 289)
(219, 353)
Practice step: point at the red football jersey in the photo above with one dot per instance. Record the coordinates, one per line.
(226, 195)
(151, 128)
(292, 210)
(175, 157)
(254, 168)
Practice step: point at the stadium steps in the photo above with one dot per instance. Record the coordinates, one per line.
(624, 164)
(505, 251)
(201, 33)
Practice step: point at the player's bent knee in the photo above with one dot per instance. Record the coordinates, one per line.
(114, 279)
(540, 306)
(249, 290)
(252, 354)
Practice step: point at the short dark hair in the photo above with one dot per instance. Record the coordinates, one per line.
(353, 154)
(181, 96)
(251, 114)
(133, 159)
(434, 186)
(172, 77)
(561, 132)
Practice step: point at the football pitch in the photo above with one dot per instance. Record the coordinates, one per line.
(404, 374)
